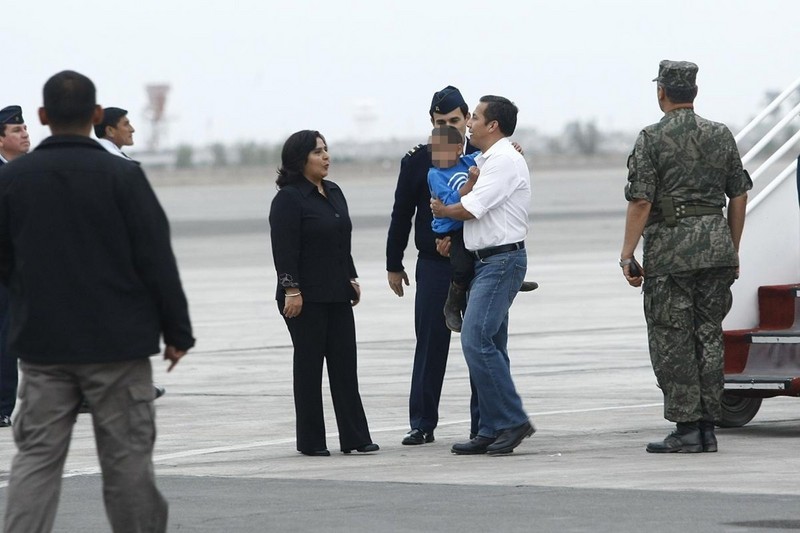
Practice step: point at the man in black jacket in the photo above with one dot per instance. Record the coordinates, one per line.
(85, 253)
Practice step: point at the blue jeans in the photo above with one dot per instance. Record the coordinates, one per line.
(484, 340)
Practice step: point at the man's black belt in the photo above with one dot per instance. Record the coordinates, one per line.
(483, 253)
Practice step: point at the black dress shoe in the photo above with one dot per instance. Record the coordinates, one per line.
(475, 446)
(159, 391)
(417, 436)
(685, 439)
(371, 447)
(84, 408)
(316, 453)
(5, 421)
(707, 436)
(508, 439)
(528, 286)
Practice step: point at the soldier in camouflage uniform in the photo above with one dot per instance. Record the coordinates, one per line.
(679, 173)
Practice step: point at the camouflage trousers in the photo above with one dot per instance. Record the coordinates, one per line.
(684, 315)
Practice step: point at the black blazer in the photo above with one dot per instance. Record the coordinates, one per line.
(85, 252)
(311, 242)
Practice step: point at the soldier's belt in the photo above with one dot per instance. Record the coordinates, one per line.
(683, 211)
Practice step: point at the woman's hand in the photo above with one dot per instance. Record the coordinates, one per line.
(357, 289)
(293, 304)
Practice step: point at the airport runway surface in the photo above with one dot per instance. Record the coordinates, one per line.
(225, 455)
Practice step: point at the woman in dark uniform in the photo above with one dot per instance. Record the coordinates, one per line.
(317, 289)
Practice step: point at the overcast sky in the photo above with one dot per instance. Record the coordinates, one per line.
(261, 69)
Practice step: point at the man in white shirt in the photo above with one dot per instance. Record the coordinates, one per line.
(495, 218)
(115, 131)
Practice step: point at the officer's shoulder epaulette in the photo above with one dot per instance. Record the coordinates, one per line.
(415, 149)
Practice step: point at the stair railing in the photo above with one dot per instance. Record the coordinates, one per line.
(781, 126)
(770, 246)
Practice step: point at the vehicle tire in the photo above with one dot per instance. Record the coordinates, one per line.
(737, 410)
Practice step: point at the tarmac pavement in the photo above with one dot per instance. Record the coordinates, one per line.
(225, 455)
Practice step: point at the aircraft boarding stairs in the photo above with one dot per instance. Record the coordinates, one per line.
(762, 331)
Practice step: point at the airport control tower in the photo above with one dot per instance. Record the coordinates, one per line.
(154, 113)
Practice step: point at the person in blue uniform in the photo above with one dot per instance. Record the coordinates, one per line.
(14, 142)
(433, 271)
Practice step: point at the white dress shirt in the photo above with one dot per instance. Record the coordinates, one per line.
(500, 199)
(112, 148)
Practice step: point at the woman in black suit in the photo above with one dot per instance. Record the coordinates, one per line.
(317, 289)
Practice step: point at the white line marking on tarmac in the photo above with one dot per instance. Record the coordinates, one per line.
(264, 443)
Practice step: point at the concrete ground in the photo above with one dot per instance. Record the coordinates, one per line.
(225, 455)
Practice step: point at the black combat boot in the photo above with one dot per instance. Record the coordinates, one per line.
(685, 439)
(456, 302)
(707, 436)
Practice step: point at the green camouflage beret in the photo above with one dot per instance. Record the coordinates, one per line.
(677, 74)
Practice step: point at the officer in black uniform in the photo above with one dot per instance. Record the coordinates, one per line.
(433, 272)
(10, 116)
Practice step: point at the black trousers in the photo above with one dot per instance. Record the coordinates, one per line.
(8, 365)
(462, 262)
(326, 332)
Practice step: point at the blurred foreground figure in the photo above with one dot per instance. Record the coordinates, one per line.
(679, 173)
(93, 284)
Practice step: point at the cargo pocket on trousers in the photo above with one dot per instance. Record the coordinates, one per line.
(656, 307)
(141, 415)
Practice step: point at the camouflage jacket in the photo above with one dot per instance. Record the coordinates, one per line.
(696, 162)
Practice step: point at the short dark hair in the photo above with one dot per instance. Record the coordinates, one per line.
(451, 133)
(2, 130)
(111, 117)
(295, 154)
(69, 99)
(463, 107)
(502, 110)
(680, 95)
